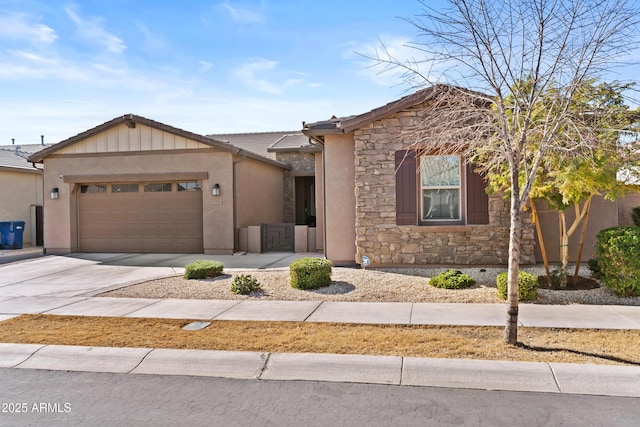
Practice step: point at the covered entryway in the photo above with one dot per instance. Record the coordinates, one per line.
(140, 217)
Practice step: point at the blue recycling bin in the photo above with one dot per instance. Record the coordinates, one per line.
(12, 234)
(4, 231)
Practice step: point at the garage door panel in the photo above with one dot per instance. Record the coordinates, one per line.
(140, 221)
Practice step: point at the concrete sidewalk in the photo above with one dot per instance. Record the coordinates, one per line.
(531, 315)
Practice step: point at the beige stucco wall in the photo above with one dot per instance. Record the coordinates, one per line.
(319, 203)
(625, 204)
(60, 215)
(603, 214)
(259, 193)
(20, 189)
(339, 181)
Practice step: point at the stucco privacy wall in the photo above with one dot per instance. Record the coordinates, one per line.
(20, 190)
(603, 214)
(123, 154)
(384, 242)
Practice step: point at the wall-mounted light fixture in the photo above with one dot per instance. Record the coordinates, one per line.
(215, 191)
(54, 193)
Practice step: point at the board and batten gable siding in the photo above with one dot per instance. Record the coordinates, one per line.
(124, 139)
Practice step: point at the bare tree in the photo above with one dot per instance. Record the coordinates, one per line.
(522, 63)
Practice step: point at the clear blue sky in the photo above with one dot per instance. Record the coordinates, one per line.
(205, 66)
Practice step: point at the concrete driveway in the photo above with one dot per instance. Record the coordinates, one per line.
(86, 274)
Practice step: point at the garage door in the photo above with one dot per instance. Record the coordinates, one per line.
(141, 217)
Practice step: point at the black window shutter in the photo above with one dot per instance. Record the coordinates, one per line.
(406, 191)
(477, 198)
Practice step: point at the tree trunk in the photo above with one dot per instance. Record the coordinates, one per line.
(587, 207)
(564, 249)
(515, 232)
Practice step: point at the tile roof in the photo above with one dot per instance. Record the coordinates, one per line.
(266, 143)
(15, 156)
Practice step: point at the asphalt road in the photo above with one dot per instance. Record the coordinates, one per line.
(38, 397)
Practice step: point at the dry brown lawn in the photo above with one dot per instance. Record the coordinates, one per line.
(536, 344)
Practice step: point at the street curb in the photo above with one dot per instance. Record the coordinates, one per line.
(563, 378)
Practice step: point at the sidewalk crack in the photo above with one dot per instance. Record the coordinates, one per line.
(555, 378)
(264, 366)
(141, 360)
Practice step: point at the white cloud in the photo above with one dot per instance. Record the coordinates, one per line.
(33, 57)
(251, 74)
(18, 26)
(91, 29)
(204, 67)
(242, 14)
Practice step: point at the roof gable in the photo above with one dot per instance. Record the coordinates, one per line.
(131, 133)
(351, 123)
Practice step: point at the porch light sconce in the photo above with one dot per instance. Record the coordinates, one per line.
(215, 191)
(54, 193)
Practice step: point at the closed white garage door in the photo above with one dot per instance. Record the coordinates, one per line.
(143, 217)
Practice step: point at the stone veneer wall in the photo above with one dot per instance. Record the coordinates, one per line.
(302, 164)
(384, 242)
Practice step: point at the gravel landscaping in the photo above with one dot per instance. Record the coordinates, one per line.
(348, 284)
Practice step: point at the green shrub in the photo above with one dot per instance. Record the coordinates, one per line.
(310, 273)
(244, 285)
(619, 259)
(202, 269)
(635, 215)
(594, 267)
(527, 286)
(452, 279)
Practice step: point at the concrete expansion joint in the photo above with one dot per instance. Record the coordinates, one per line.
(226, 309)
(313, 311)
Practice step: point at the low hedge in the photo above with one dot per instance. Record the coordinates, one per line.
(619, 259)
(452, 279)
(527, 286)
(310, 273)
(202, 269)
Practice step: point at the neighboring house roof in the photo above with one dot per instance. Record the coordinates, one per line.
(15, 157)
(350, 123)
(131, 120)
(266, 143)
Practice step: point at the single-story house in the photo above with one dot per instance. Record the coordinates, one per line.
(136, 185)
(346, 186)
(382, 201)
(21, 193)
